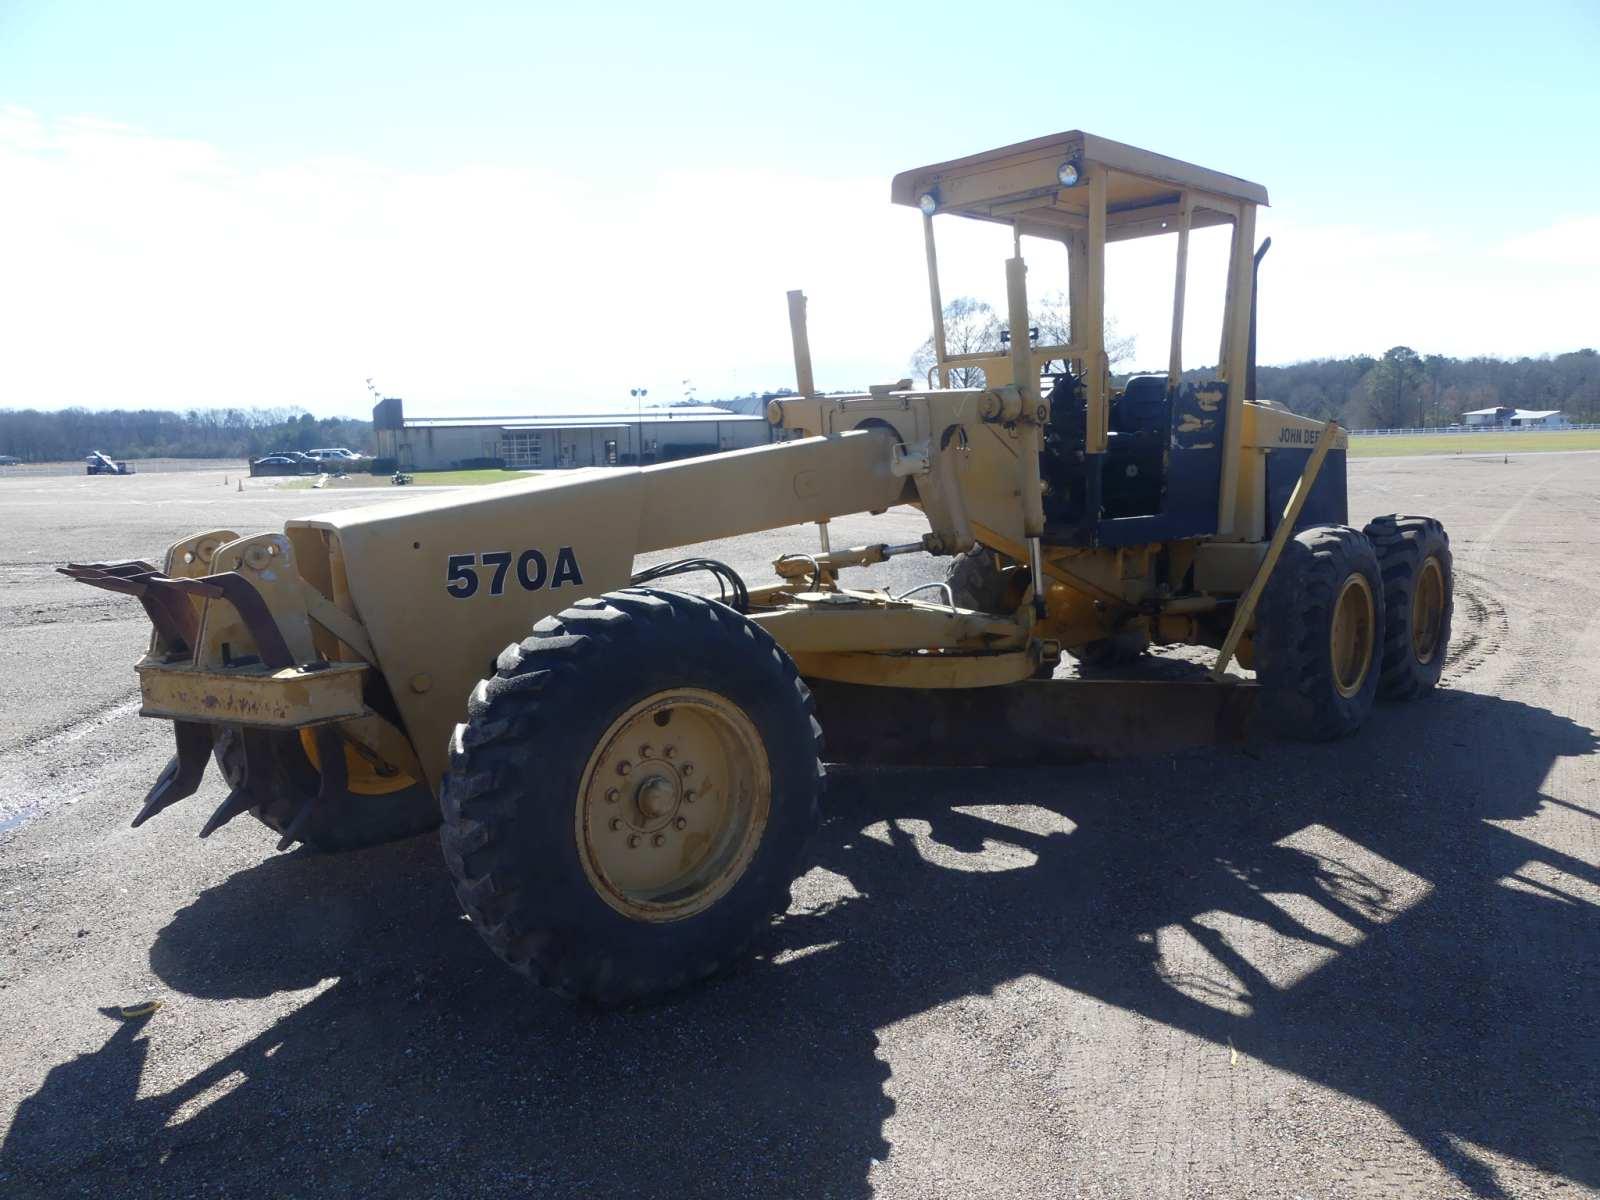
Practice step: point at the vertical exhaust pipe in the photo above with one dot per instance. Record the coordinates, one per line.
(1255, 288)
(803, 378)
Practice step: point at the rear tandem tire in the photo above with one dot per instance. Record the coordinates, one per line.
(1419, 599)
(631, 795)
(1318, 644)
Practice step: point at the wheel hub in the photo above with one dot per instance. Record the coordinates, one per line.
(656, 798)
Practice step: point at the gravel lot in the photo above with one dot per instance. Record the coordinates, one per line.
(1353, 970)
(141, 466)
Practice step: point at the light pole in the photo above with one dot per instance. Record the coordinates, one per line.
(638, 395)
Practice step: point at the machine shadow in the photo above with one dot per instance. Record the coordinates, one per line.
(423, 1067)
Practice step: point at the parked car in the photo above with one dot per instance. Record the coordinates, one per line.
(337, 455)
(7, 460)
(289, 463)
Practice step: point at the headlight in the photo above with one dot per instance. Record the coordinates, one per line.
(1067, 173)
(928, 202)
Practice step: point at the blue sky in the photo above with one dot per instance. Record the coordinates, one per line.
(498, 206)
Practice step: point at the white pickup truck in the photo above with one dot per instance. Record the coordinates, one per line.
(337, 456)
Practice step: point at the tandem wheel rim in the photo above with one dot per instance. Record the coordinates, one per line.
(1352, 636)
(1427, 610)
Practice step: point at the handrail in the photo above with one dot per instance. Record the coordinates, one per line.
(1039, 352)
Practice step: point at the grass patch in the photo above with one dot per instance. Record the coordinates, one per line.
(1475, 443)
(418, 479)
(465, 478)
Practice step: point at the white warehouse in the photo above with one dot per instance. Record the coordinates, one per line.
(1516, 418)
(592, 439)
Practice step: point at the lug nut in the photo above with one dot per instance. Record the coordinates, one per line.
(688, 770)
(633, 841)
(645, 751)
(613, 796)
(616, 823)
(658, 840)
(680, 823)
(689, 797)
(670, 752)
(624, 767)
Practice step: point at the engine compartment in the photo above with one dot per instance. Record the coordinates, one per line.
(1162, 458)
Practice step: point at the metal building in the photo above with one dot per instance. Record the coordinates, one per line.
(592, 439)
(1516, 418)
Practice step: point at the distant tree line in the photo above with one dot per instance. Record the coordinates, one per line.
(35, 436)
(1399, 390)
(1406, 390)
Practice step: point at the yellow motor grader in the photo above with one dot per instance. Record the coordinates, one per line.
(626, 774)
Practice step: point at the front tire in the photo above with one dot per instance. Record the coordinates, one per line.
(283, 784)
(1318, 639)
(631, 795)
(1419, 600)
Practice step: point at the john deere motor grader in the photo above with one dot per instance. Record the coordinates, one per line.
(627, 774)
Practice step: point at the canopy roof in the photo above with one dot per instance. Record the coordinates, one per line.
(1018, 184)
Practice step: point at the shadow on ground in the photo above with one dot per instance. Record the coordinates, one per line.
(1465, 1011)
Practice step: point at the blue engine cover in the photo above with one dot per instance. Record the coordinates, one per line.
(1188, 505)
(1328, 503)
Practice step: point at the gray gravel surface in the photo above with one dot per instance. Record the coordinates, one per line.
(141, 466)
(1365, 969)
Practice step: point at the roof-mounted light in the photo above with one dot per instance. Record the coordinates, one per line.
(1067, 174)
(928, 202)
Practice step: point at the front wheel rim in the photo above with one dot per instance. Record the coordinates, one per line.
(1427, 610)
(672, 804)
(365, 774)
(1352, 636)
